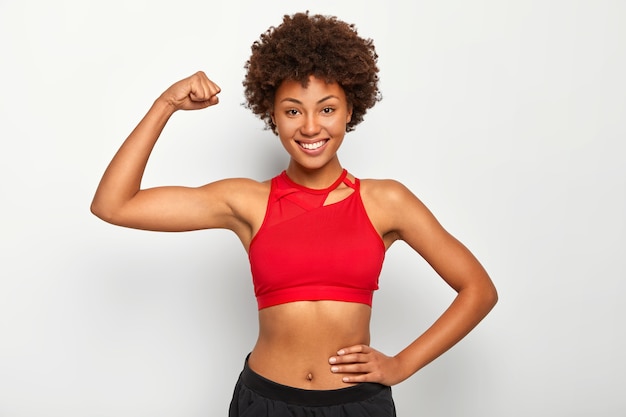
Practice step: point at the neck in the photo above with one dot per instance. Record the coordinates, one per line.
(316, 178)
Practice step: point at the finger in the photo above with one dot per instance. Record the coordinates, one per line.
(353, 349)
(353, 368)
(202, 88)
(350, 358)
(203, 92)
(198, 105)
(346, 354)
(358, 378)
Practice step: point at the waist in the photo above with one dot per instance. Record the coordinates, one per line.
(276, 391)
(297, 339)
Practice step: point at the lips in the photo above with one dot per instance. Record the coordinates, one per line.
(311, 146)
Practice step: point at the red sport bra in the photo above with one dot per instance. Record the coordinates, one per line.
(306, 250)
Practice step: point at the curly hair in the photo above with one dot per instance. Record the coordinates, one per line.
(317, 45)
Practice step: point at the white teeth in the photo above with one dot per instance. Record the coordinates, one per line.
(312, 146)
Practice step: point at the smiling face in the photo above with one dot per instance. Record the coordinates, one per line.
(311, 123)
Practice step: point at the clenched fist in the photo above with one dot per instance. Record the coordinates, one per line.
(192, 93)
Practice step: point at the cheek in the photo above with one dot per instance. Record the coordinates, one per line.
(338, 125)
(283, 125)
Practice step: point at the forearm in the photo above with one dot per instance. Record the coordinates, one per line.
(122, 178)
(469, 307)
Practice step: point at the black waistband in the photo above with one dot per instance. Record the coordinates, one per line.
(275, 391)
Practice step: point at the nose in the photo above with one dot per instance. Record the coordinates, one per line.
(310, 125)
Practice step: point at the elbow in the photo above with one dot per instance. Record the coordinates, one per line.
(484, 296)
(97, 211)
(493, 297)
(490, 296)
(101, 212)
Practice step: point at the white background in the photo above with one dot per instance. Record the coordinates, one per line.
(505, 118)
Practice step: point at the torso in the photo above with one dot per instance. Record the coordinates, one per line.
(296, 339)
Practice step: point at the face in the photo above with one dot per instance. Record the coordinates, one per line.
(311, 122)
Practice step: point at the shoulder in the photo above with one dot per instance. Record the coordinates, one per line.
(244, 202)
(239, 192)
(239, 186)
(397, 209)
(385, 191)
(393, 208)
(242, 198)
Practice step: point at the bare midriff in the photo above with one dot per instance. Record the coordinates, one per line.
(297, 339)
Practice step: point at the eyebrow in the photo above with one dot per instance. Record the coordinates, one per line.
(293, 100)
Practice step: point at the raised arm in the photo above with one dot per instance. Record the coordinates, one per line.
(119, 198)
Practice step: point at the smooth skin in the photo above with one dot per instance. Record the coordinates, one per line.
(305, 344)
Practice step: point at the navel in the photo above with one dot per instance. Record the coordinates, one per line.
(309, 377)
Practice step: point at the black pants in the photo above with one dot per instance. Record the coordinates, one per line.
(256, 396)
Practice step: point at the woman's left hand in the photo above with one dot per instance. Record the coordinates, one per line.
(365, 364)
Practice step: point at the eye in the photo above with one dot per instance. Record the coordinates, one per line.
(292, 112)
(328, 110)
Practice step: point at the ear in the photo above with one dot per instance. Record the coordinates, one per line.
(274, 125)
(349, 115)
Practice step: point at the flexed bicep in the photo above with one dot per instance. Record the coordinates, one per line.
(173, 209)
(119, 198)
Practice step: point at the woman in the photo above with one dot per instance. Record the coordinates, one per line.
(316, 235)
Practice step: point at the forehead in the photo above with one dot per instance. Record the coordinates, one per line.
(315, 90)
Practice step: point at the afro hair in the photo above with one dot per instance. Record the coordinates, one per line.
(312, 45)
